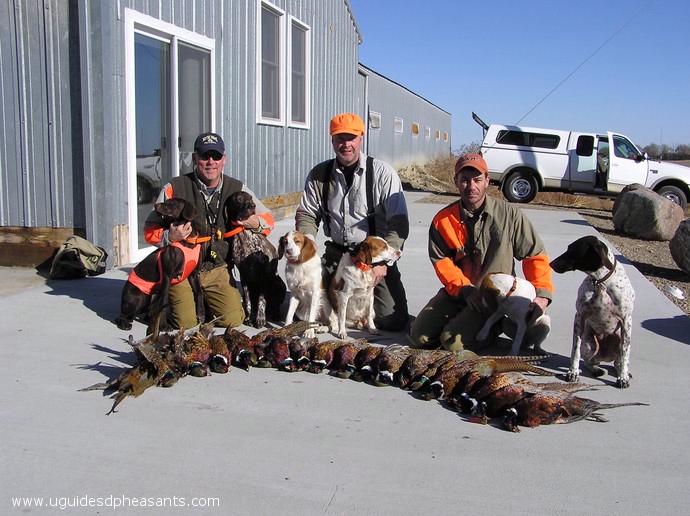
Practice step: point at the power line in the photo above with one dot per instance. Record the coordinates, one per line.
(585, 61)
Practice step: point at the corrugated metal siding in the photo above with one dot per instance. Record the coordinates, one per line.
(36, 115)
(401, 149)
(63, 157)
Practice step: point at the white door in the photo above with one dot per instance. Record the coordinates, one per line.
(169, 102)
(627, 164)
(582, 166)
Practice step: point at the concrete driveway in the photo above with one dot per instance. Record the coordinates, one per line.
(266, 442)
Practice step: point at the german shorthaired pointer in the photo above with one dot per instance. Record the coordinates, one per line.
(256, 259)
(604, 306)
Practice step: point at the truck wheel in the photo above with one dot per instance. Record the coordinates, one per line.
(675, 194)
(520, 187)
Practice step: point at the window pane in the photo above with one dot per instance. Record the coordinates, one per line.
(194, 96)
(270, 64)
(152, 94)
(299, 83)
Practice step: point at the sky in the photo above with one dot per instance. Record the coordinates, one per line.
(625, 64)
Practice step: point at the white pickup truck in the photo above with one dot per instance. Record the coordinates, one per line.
(525, 160)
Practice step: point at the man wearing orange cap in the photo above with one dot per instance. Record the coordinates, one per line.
(468, 239)
(356, 196)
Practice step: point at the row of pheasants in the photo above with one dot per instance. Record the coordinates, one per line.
(480, 387)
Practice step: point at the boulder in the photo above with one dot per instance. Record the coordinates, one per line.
(680, 246)
(642, 213)
(626, 189)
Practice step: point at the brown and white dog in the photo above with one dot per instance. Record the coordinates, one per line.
(303, 277)
(511, 297)
(351, 291)
(603, 309)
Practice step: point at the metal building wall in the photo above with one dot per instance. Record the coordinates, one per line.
(393, 100)
(63, 152)
(39, 117)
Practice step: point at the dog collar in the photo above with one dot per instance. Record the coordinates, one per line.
(362, 266)
(608, 274)
(513, 288)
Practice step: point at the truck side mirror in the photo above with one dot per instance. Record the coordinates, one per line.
(639, 157)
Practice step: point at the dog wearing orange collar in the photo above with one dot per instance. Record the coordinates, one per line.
(509, 296)
(351, 291)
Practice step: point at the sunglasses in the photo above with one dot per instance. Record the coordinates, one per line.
(217, 156)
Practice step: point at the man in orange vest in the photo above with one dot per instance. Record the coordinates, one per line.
(207, 188)
(469, 239)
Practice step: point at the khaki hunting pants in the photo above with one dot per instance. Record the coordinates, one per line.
(221, 298)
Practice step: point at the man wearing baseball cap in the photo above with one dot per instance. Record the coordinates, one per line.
(207, 188)
(355, 196)
(468, 239)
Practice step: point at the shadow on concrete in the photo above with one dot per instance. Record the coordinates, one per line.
(577, 222)
(676, 328)
(99, 294)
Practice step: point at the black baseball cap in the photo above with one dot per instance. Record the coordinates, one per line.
(209, 142)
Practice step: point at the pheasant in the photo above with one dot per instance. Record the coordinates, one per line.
(491, 395)
(343, 364)
(554, 407)
(221, 358)
(289, 330)
(321, 355)
(193, 355)
(387, 364)
(133, 382)
(241, 348)
(415, 366)
(299, 353)
(277, 353)
(443, 384)
(363, 360)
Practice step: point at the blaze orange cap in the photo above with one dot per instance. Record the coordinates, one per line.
(347, 123)
(475, 161)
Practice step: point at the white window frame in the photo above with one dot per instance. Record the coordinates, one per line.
(398, 122)
(282, 69)
(307, 74)
(138, 23)
(427, 133)
(375, 120)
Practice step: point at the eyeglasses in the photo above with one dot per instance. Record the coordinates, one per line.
(217, 156)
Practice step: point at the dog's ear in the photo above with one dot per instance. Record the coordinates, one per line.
(282, 243)
(171, 209)
(603, 251)
(188, 211)
(364, 252)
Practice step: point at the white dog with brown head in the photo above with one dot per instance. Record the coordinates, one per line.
(511, 297)
(351, 291)
(308, 298)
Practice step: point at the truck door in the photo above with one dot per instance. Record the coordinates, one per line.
(627, 164)
(581, 162)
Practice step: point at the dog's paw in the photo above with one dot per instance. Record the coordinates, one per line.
(572, 376)
(622, 383)
(123, 324)
(373, 331)
(310, 333)
(482, 335)
(342, 334)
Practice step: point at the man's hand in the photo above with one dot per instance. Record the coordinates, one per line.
(253, 222)
(541, 302)
(379, 273)
(178, 232)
